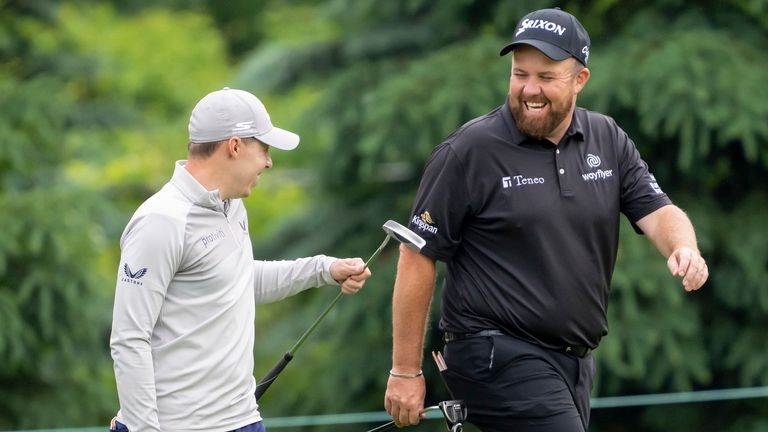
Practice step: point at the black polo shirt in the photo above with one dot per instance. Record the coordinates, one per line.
(529, 230)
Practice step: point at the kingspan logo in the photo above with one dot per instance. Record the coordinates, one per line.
(593, 161)
(133, 277)
(424, 223)
(540, 24)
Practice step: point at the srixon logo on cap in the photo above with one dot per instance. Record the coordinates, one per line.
(540, 24)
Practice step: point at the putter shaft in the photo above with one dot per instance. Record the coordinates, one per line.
(335, 300)
(393, 230)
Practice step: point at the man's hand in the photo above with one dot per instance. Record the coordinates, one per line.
(350, 273)
(404, 400)
(688, 264)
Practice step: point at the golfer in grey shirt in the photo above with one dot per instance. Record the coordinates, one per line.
(187, 284)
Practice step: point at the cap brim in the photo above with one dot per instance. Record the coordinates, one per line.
(551, 51)
(280, 139)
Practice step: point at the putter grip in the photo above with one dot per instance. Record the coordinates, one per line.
(270, 377)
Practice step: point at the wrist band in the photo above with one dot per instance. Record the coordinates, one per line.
(404, 375)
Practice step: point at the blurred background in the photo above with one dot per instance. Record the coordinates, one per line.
(94, 102)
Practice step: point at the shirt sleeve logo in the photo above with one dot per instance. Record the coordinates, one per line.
(424, 223)
(133, 276)
(654, 185)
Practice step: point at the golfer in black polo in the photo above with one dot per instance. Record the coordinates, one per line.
(523, 206)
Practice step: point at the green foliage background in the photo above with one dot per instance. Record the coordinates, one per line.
(94, 102)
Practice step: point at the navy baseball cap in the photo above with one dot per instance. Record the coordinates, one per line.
(554, 32)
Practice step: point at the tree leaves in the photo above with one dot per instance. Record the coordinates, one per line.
(688, 86)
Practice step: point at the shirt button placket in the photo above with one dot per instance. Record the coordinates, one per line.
(565, 189)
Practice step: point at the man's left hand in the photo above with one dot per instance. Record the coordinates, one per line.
(688, 264)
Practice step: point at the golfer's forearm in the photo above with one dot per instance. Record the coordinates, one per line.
(412, 296)
(276, 280)
(669, 228)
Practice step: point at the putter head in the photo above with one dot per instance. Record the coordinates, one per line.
(455, 413)
(404, 235)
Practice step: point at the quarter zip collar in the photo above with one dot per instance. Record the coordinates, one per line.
(194, 191)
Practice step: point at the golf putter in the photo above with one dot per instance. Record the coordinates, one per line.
(394, 231)
(454, 412)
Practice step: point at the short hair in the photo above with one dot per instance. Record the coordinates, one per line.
(203, 150)
(578, 66)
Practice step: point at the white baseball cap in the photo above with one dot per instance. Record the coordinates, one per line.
(228, 112)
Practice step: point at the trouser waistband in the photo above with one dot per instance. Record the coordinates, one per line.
(580, 351)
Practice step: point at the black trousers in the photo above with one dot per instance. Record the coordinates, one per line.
(511, 385)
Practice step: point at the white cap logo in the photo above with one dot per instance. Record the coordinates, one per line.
(242, 126)
(540, 24)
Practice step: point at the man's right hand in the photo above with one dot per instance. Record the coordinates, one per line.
(404, 400)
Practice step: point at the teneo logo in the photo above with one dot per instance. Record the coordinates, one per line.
(133, 277)
(211, 238)
(519, 180)
(540, 24)
(242, 126)
(593, 161)
(424, 222)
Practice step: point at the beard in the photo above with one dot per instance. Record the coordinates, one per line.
(539, 127)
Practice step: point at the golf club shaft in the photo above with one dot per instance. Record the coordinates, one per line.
(385, 426)
(270, 377)
(391, 425)
(333, 303)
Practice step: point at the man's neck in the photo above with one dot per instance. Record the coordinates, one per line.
(208, 175)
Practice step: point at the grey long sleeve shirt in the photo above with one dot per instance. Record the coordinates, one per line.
(183, 320)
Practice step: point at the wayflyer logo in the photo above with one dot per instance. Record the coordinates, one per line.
(593, 161)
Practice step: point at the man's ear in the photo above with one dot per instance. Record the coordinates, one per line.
(234, 146)
(581, 79)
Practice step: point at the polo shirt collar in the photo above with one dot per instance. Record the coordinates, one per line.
(575, 130)
(193, 190)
